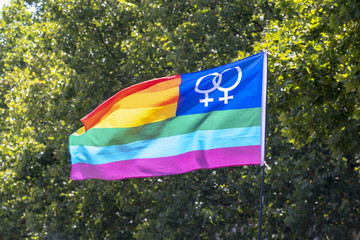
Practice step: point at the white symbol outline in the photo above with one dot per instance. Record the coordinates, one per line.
(206, 100)
(216, 84)
(226, 90)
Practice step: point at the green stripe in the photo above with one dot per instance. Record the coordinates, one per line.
(239, 118)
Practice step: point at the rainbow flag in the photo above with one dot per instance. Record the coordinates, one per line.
(172, 125)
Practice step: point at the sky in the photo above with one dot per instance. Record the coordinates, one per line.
(2, 2)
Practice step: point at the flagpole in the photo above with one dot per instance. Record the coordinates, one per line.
(261, 201)
(263, 136)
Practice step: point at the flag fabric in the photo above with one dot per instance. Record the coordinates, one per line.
(172, 125)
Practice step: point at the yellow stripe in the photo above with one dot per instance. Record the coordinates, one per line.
(148, 99)
(80, 131)
(137, 116)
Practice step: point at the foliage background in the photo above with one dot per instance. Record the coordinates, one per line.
(60, 59)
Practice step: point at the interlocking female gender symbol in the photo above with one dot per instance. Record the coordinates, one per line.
(216, 84)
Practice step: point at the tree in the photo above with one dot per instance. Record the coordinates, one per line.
(61, 61)
(314, 95)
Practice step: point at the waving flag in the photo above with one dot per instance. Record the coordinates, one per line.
(203, 120)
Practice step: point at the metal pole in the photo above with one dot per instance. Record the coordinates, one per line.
(261, 200)
(263, 134)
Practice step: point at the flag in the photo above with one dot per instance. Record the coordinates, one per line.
(172, 125)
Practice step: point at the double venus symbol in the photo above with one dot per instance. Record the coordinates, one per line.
(216, 84)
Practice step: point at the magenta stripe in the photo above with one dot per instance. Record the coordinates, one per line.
(152, 167)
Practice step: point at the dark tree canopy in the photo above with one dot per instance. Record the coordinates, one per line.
(60, 59)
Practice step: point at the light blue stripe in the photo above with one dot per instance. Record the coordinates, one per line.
(168, 146)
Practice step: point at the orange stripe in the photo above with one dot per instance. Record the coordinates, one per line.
(158, 95)
(134, 117)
